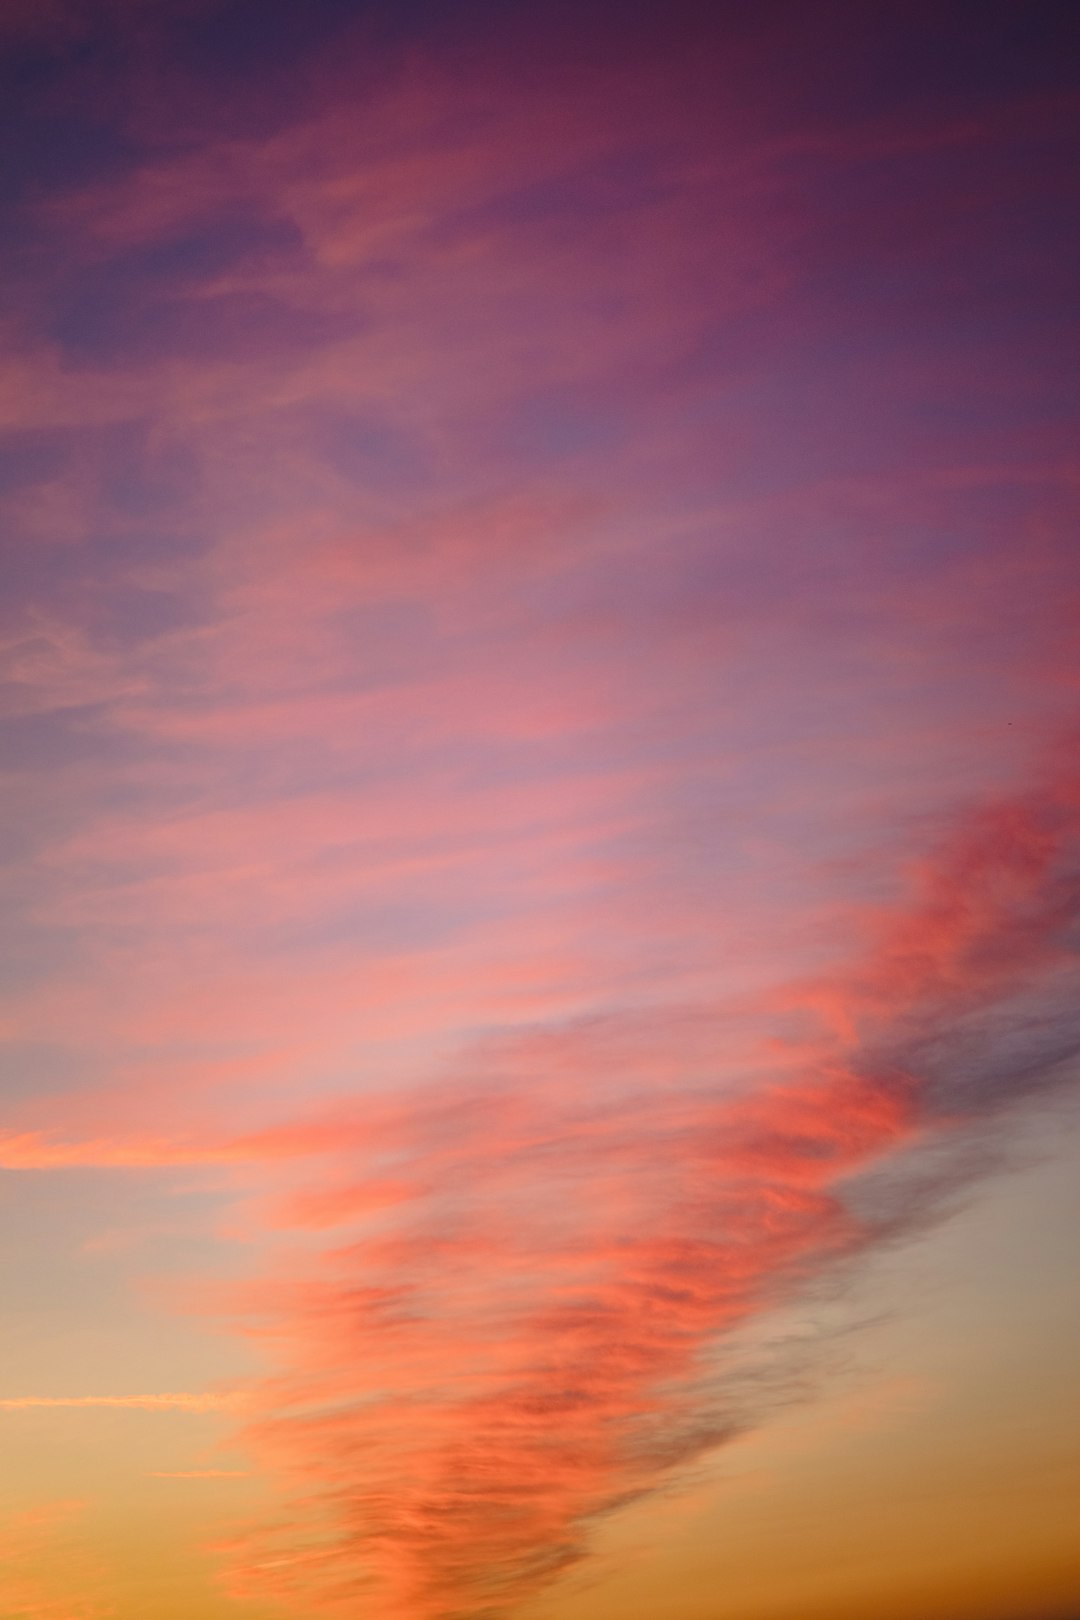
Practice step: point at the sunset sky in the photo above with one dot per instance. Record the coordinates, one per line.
(540, 838)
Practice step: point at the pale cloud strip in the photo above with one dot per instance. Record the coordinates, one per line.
(177, 1401)
(198, 1473)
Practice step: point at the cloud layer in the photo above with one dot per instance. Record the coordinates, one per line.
(518, 1337)
(538, 697)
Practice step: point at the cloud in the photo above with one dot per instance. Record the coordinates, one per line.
(31, 1150)
(183, 1401)
(515, 1333)
(198, 1473)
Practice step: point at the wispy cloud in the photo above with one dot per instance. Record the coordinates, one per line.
(198, 1473)
(32, 1150)
(176, 1401)
(523, 1342)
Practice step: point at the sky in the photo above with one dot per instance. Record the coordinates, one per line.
(540, 829)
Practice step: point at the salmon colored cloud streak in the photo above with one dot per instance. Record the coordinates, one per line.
(527, 1346)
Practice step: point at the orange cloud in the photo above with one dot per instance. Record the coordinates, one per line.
(515, 1339)
(32, 1150)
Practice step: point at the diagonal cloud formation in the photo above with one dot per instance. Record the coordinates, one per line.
(516, 1337)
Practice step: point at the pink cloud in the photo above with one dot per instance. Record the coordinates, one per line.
(513, 1338)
